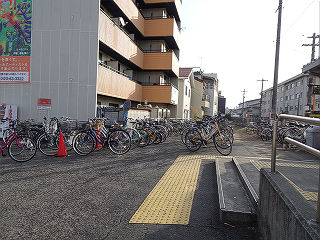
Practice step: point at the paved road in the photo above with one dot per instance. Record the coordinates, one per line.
(94, 197)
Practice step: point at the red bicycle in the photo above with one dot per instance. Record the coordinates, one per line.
(20, 147)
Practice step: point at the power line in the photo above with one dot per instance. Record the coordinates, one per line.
(298, 18)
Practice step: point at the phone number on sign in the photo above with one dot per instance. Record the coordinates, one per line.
(14, 77)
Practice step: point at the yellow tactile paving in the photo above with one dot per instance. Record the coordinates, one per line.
(263, 164)
(170, 201)
(310, 196)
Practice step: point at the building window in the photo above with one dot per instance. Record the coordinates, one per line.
(291, 97)
(287, 98)
(298, 83)
(282, 89)
(297, 95)
(186, 91)
(291, 108)
(189, 93)
(281, 99)
(292, 85)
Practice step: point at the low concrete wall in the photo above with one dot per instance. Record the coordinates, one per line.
(283, 213)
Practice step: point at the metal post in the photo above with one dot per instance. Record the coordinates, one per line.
(274, 146)
(262, 80)
(244, 96)
(313, 47)
(274, 95)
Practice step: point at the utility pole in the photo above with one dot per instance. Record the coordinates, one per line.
(313, 45)
(275, 86)
(244, 96)
(262, 80)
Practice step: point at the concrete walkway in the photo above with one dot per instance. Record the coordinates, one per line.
(300, 168)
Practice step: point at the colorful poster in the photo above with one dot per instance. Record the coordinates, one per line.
(15, 40)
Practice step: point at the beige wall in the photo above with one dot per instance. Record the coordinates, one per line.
(157, 94)
(196, 98)
(167, 26)
(115, 85)
(112, 36)
(132, 12)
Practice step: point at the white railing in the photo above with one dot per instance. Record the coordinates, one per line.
(315, 152)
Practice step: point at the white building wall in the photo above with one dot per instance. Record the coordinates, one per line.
(183, 108)
(64, 58)
(215, 98)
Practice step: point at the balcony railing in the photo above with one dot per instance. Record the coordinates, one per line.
(114, 70)
(134, 14)
(159, 84)
(117, 39)
(120, 28)
(111, 82)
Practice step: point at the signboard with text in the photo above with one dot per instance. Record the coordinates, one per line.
(44, 104)
(15, 40)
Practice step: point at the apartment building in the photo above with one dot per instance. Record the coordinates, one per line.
(211, 83)
(204, 94)
(89, 53)
(186, 83)
(292, 96)
(197, 95)
(250, 110)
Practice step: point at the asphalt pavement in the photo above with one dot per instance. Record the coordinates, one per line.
(94, 197)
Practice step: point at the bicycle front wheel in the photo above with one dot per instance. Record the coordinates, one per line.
(47, 144)
(119, 142)
(193, 140)
(83, 143)
(223, 144)
(22, 149)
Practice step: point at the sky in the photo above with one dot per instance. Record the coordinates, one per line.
(236, 40)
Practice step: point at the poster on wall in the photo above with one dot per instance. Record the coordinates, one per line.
(15, 40)
(8, 112)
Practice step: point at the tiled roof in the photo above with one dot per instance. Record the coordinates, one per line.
(185, 72)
